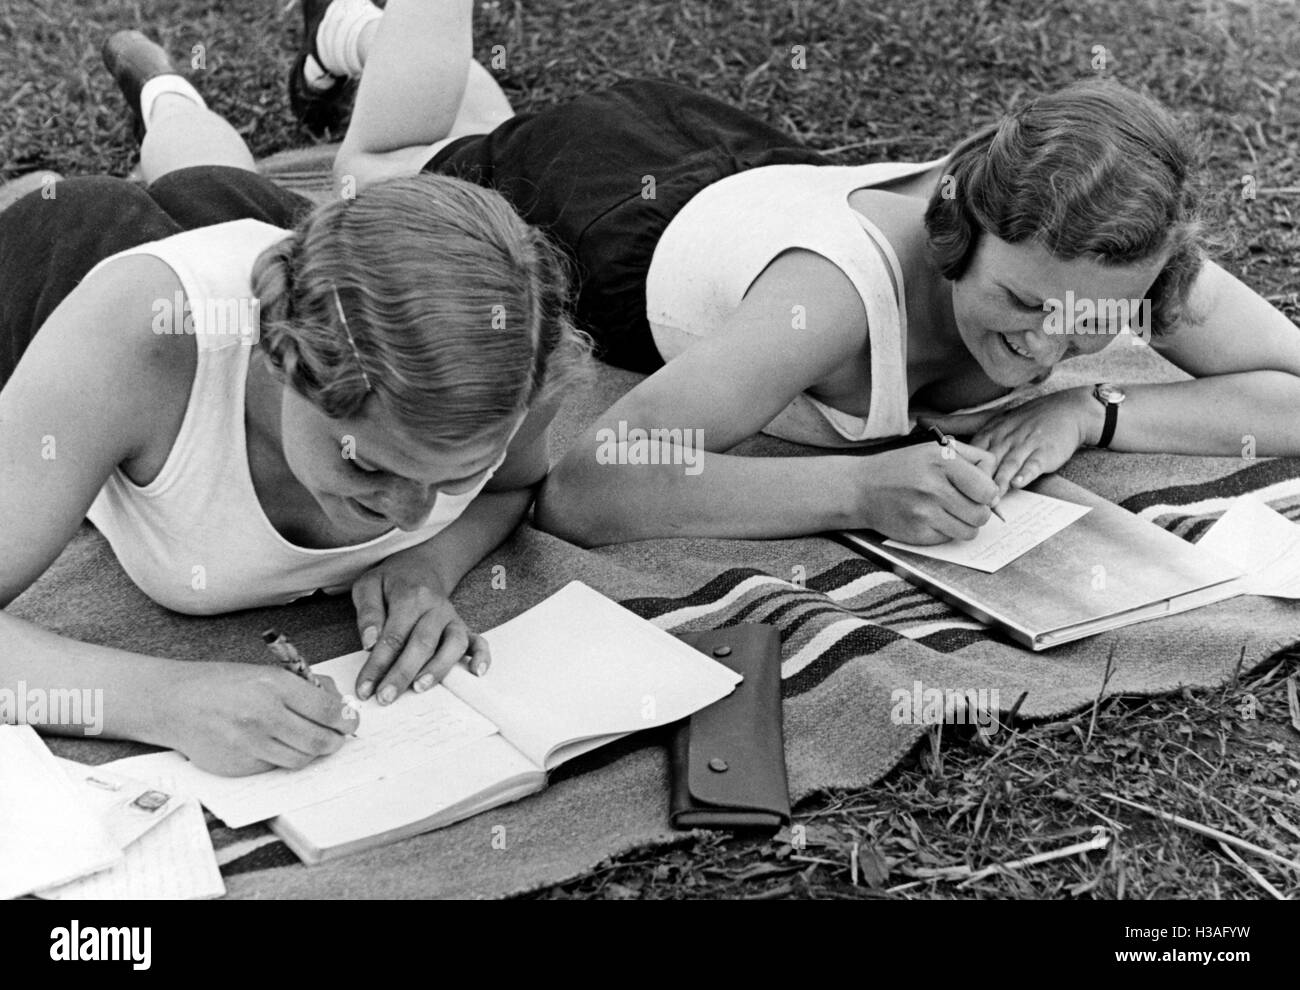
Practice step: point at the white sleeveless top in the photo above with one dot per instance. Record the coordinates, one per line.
(195, 539)
(721, 241)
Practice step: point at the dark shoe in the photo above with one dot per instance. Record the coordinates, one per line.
(318, 110)
(132, 60)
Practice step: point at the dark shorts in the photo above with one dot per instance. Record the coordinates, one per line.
(603, 174)
(48, 245)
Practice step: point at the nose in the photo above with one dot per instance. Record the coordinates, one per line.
(409, 503)
(1047, 349)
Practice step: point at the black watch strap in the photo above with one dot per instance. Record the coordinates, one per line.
(1108, 430)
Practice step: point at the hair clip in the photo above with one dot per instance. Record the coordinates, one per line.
(338, 304)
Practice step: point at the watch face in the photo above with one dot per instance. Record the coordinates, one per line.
(1110, 393)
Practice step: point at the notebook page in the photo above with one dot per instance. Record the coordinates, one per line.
(46, 835)
(580, 666)
(1262, 542)
(445, 789)
(390, 738)
(1030, 520)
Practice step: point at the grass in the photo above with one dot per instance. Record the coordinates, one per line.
(901, 79)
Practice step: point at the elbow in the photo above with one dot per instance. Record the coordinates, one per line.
(568, 506)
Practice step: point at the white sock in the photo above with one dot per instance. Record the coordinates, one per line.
(168, 82)
(316, 77)
(338, 34)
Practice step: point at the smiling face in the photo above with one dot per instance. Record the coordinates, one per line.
(365, 474)
(998, 304)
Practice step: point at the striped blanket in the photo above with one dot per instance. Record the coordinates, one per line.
(853, 636)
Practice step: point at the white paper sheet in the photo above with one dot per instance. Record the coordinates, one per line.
(1030, 520)
(173, 861)
(390, 739)
(1263, 543)
(47, 835)
(127, 807)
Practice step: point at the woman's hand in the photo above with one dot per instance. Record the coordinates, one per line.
(1031, 439)
(237, 718)
(411, 629)
(926, 493)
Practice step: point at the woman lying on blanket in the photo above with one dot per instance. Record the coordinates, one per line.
(831, 305)
(381, 427)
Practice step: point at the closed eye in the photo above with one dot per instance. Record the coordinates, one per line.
(1017, 301)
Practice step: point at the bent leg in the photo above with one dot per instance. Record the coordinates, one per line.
(181, 134)
(420, 89)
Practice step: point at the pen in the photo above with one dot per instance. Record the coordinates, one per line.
(288, 655)
(278, 643)
(945, 440)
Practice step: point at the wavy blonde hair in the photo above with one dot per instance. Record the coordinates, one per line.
(455, 307)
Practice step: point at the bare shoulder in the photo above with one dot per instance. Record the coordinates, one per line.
(108, 339)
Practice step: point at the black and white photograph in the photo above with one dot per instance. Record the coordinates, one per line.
(661, 450)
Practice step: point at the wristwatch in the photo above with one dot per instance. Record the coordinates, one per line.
(1109, 396)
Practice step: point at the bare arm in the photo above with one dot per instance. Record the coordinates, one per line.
(86, 397)
(726, 388)
(76, 407)
(1245, 355)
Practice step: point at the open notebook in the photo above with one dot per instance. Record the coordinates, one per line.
(568, 675)
(1063, 567)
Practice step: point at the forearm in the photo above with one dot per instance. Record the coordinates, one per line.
(72, 688)
(449, 555)
(1220, 415)
(728, 497)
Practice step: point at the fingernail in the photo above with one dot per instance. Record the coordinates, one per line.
(387, 694)
(365, 688)
(424, 683)
(480, 668)
(369, 637)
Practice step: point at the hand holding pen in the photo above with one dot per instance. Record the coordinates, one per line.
(945, 440)
(293, 662)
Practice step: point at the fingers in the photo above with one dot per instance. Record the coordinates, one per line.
(960, 424)
(434, 647)
(323, 707)
(298, 744)
(979, 457)
(1019, 467)
(480, 655)
(451, 653)
(368, 598)
(393, 639)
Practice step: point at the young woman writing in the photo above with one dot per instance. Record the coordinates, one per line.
(254, 400)
(764, 290)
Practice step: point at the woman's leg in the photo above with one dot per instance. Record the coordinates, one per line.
(420, 89)
(180, 134)
(175, 128)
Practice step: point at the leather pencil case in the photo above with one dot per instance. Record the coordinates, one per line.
(728, 760)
